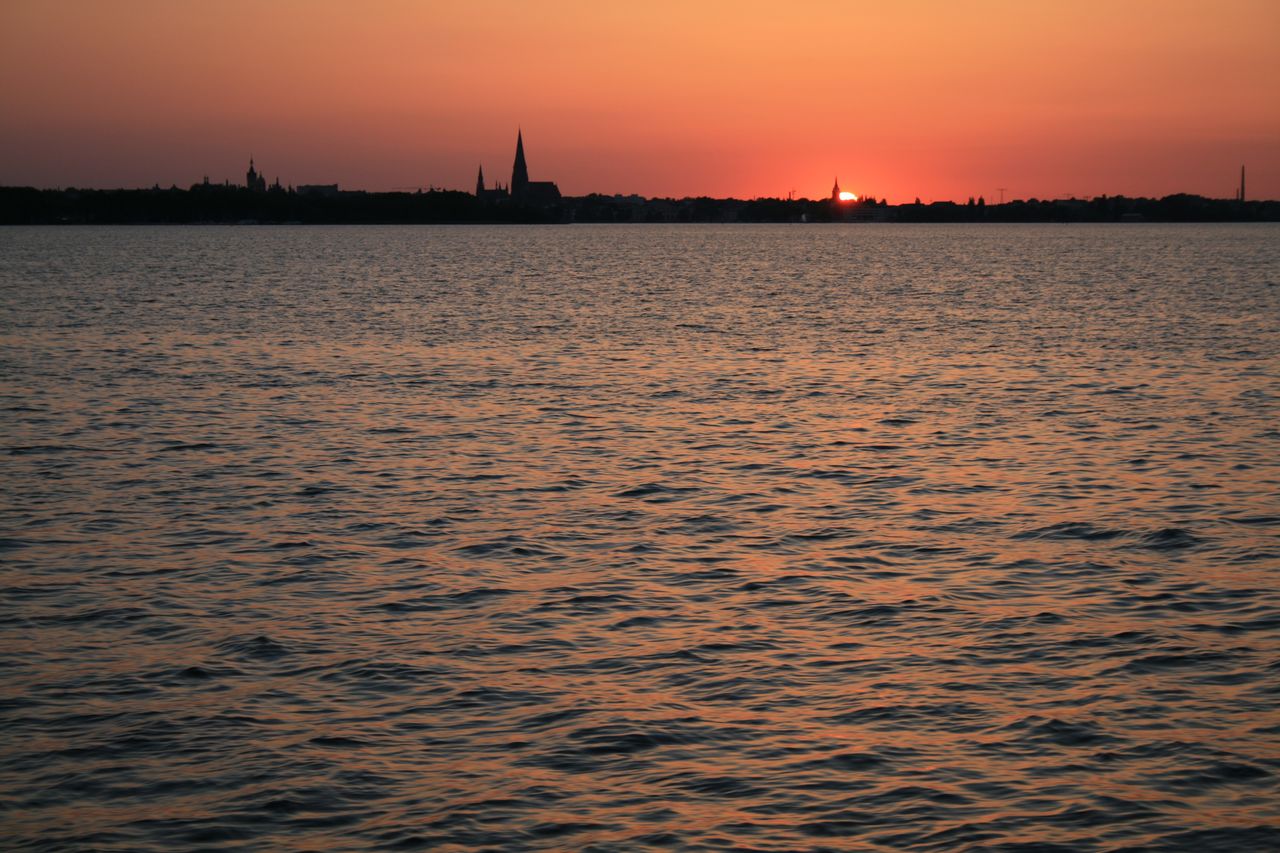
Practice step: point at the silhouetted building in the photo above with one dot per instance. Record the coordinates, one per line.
(835, 190)
(521, 190)
(493, 196)
(519, 171)
(255, 182)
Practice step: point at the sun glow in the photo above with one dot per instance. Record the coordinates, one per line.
(848, 196)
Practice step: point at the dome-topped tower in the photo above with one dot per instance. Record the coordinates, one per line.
(253, 180)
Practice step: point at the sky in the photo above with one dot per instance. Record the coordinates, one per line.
(904, 99)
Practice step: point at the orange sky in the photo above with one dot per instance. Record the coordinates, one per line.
(900, 99)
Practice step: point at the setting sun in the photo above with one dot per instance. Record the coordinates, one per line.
(848, 196)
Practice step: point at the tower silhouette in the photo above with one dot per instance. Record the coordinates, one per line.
(519, 171)
(521, 191)
(254, 180)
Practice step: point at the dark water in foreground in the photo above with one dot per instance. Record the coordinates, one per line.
(696, 538)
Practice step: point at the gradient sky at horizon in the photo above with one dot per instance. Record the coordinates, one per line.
(914, 98)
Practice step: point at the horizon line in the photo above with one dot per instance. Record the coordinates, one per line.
(859, 200)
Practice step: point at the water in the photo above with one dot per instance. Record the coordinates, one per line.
(640, 538)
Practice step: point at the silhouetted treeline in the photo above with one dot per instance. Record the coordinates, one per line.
(221, 203)
(218, 203)
(1173, 208)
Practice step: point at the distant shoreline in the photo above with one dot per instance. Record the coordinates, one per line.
(566, 224)
(221, 204)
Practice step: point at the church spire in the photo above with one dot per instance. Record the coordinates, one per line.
(480, 182)
(519, 171)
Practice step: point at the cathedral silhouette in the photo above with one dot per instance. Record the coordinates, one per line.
(521, 190)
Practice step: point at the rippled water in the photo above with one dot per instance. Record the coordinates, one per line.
(640, 538)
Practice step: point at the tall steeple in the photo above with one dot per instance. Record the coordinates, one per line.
(480, 182)
(519, 171)
(835, 190)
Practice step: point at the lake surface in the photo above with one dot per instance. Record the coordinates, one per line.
(640, 538)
